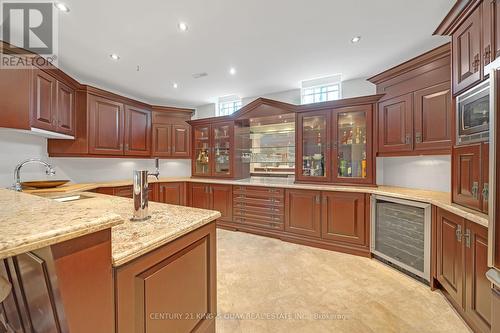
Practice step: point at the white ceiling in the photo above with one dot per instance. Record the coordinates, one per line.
(273, 44)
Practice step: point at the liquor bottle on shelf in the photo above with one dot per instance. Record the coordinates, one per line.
(344, 137)
(363, 165)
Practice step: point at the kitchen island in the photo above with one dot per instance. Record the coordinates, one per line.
(83, 266)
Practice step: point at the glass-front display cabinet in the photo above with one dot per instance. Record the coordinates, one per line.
(335, 145)
(352, 159)
(313, 146)
(213, 150)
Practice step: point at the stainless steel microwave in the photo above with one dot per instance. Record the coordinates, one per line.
(473, 114)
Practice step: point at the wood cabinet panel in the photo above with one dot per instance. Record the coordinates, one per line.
(172, 193)
(65, 109)
(450, 271)
(485, 173)
(181, 140)
(466, 53)
(467, 176)
(162, 140)
(222, 200)
(137, 134)
(106, 124)
(433, 117)
(178, 278)
(344, 217)
(123, 191)
(199, 196)
(44, 114)
(488, 31)
(395, 124)
(477, 286)
(303, 212)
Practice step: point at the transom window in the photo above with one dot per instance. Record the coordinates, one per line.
(322, 89)
(227, 107)
(321, 93)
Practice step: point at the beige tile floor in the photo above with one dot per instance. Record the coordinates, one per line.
(266, 285)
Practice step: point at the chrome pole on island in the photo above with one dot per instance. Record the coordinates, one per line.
(140, 195)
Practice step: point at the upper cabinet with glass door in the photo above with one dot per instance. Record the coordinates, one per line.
(352, 161)
(334, 142)
(313, 144)
(222, 149)
(201, 151)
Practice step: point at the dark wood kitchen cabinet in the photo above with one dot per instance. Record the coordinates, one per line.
(462, 262)
(177, 280)
(44, 101)
(171, 132)
(415, 114)
(477, 286)
(467, 53)
(137, 136)
(32, 98)
(344, 217)
(106, 126)
(212, 196)
(303, 212)
(450, 257)
(172, 193)
(65, 108)
(53, 104)
(470, 176)
(432, 118)
(395, 124)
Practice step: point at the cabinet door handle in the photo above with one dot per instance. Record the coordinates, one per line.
(485, 192)
(318, 199)
(126, 146)
(467, 238)
(120, 146)
(418, 137)
(408, 139)
(475, 190)
(458, 233)
(487, 54)
(475, 63)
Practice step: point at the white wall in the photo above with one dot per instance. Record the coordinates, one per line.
(350, 88)
(16, 147)
(420, 172)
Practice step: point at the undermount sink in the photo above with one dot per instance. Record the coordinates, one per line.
(69, 198)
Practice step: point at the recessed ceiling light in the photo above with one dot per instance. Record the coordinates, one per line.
(232, 71)
(114, 56)
(182, 26)
(175, 85)
(355, 39)
(62, 7)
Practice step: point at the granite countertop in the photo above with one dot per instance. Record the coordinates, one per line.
(439, 199)
(130, 240)
(28, 222)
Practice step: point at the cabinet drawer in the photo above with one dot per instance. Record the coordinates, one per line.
(256, 201)
(259, 209)
(275, 225)
(268, 216)
(258, 191)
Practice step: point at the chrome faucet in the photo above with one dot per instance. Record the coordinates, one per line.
(157, 171)
(49, 170)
